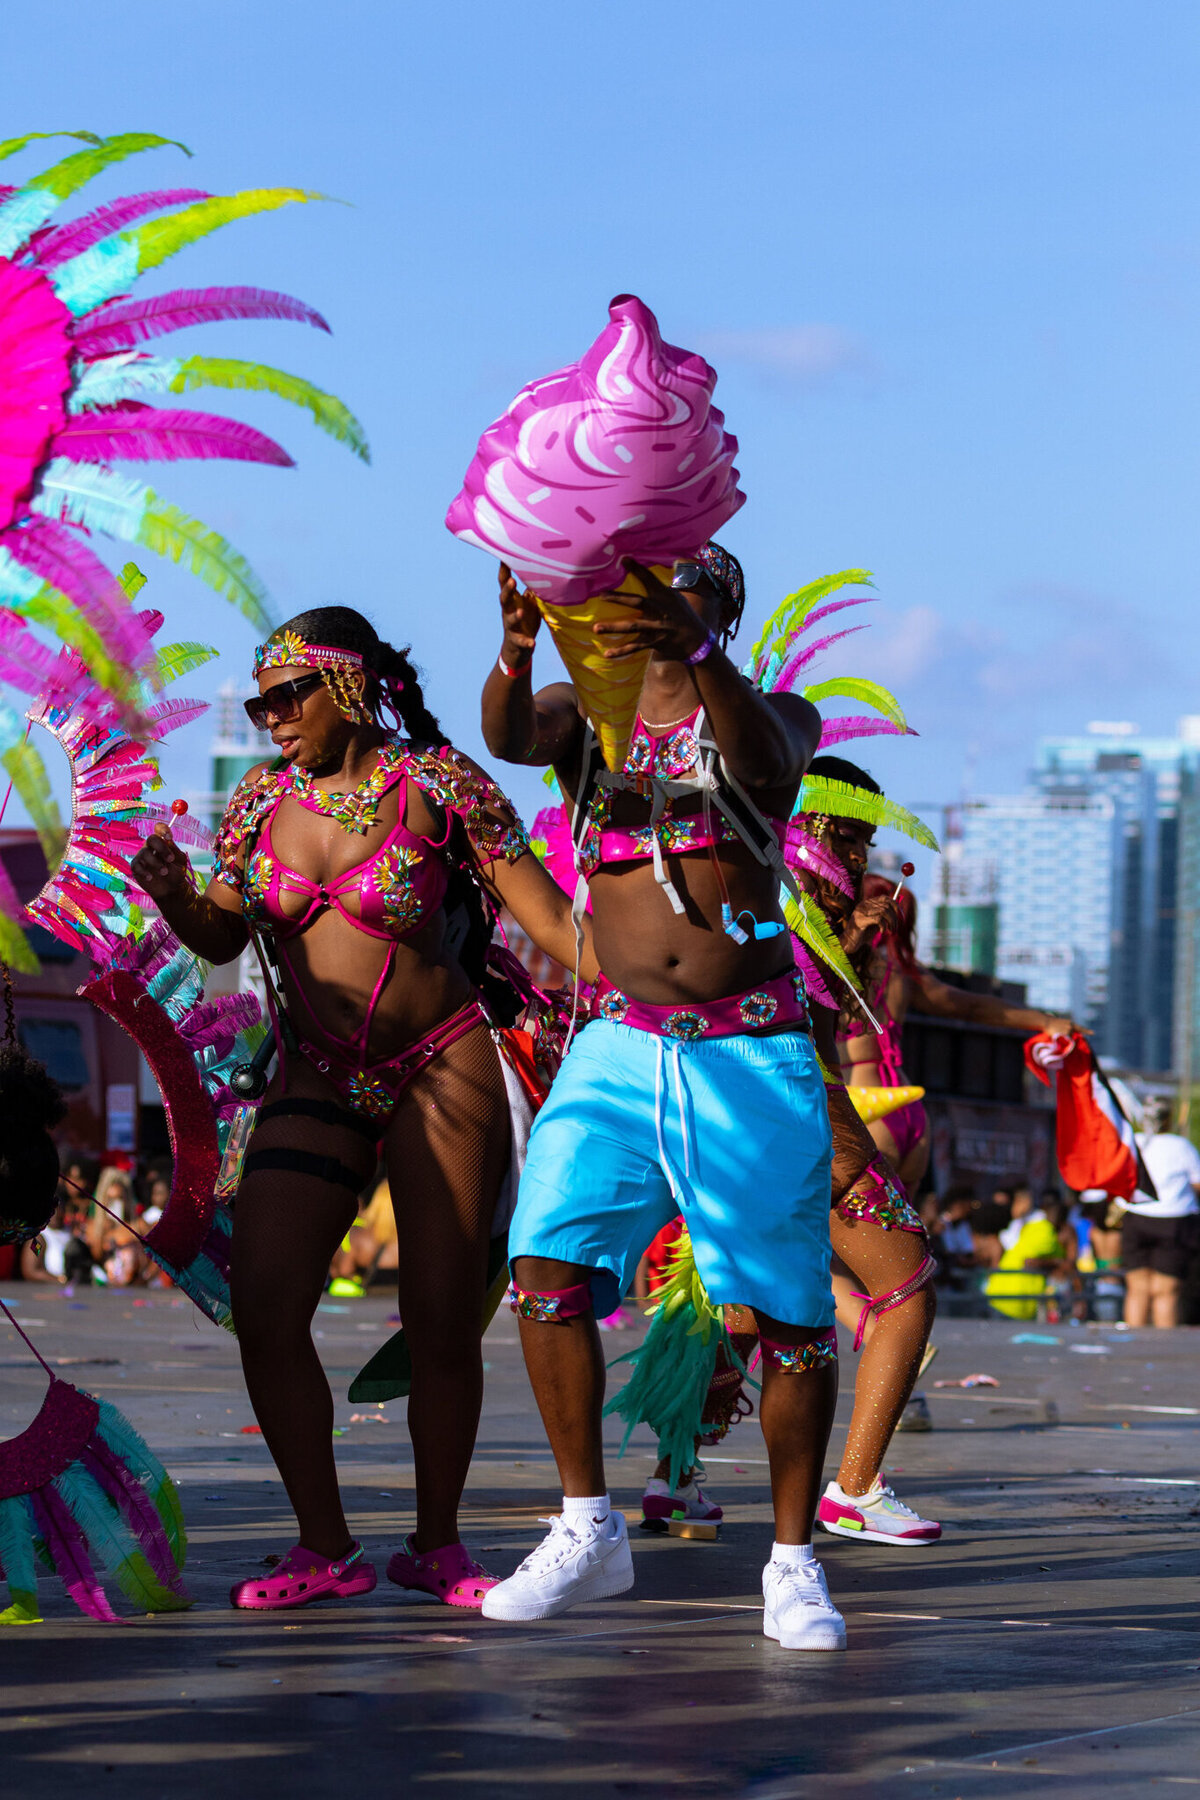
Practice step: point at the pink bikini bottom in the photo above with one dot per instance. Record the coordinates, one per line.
(374, 1088)
(778, 1002)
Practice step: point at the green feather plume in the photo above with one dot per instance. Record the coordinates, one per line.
(53, 609)
(791, 612)
(174, 660)
(11, 146)
(74, 172)
(27, 772)
(159, 239)
(810, 925)
(169, 531)
(856, 687)
(841, 800)
(327, 410)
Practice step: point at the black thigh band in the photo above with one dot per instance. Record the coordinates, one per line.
(304, 1162)
(327, 1111)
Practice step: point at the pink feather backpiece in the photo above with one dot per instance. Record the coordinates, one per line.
(123, 324)
(135, 433)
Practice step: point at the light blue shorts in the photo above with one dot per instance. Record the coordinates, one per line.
(731, 1132)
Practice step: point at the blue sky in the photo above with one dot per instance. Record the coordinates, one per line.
(945, 257)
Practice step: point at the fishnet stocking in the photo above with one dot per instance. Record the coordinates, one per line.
(447, 1152)
(879, 1261)
(286, 1228)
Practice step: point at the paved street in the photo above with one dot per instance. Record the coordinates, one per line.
(1050, 1643)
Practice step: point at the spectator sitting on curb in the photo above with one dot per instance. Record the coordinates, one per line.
(371, 1244)
(1030, 1250)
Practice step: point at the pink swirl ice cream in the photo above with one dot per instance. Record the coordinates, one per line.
(621, 454)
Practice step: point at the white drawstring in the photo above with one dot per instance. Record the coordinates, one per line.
(660, 1110)
(663, 879)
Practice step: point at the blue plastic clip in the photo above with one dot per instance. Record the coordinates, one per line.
(731, 927)
(770, 929)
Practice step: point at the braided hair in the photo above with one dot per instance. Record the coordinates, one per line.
(397, 682)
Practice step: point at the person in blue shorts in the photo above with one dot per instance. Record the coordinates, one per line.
(693, 1088)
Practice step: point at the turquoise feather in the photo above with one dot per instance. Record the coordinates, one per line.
(133, 1450)
(17, 1559)
(111, 1541)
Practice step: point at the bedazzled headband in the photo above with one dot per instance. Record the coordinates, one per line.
(288, 647)
(724, 569)
(333, 663)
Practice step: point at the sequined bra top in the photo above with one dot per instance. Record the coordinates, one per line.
(402, 884)
(671, 755)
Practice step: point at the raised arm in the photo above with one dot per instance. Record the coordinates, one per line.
(520, 726)
(767, 741)
(929, 995)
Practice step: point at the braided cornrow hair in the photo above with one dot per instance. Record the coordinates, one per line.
(397, 682)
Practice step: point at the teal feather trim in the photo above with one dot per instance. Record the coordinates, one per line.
(674, 1366)
(17, 1562)
(111, 1542)
(133, 1450)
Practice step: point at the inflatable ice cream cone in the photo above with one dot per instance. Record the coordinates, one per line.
(871, 1103)
(608, 689)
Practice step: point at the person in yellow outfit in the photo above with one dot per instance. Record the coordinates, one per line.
(1030, 1249)
(370, 1244)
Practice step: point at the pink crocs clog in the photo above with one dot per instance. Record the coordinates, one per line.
(303, 1577)
(448, 1574)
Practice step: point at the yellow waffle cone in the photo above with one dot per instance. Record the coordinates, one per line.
(871, 1103)
(609, 690)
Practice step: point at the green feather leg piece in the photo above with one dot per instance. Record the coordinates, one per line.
(841, 800)
(791, 613)
(806, 920)
(328, 412)
(673, 1368)
(17, 1561)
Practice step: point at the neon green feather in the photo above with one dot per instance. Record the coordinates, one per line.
(810, 925)
(856, 687)
(132, 580)
(841, 800)
(14, 947)
(327, 410)
(161, 238)
(11, 146)
(74, 172)
(791, 613)
(169, 531)
(27, 772)
(51, 608)
(175, 660)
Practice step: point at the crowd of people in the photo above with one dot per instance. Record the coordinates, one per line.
(95, 1234)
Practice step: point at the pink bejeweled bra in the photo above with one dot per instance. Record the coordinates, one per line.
(671, 755)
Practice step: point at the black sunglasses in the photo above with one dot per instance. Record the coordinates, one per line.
(281, 704)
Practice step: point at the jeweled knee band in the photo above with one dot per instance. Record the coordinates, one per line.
(885, 1202)
(796, 1359)
(555, 1306)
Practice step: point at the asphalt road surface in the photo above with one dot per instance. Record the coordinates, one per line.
(1049, 1644)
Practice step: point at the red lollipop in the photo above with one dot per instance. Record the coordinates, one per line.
(179, 807)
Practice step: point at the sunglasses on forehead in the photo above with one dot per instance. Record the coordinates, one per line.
(281, 704)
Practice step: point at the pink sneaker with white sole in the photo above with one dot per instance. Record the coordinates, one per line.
(687, 1502)
(876, 1516)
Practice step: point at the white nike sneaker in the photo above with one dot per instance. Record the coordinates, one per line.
(571, 1565)
(797, 1610)
(876, 1515)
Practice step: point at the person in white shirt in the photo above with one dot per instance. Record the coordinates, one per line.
(1160, 1236)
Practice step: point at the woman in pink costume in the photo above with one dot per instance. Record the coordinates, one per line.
(882, 1274)
(878, 938)
(365, 859)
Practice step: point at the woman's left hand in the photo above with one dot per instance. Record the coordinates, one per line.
(662, 621)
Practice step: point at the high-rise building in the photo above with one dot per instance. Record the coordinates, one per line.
(1091, 870)
(1036, 869)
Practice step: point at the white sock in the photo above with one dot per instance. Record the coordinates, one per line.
(593, 1510)
(792, 1554)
